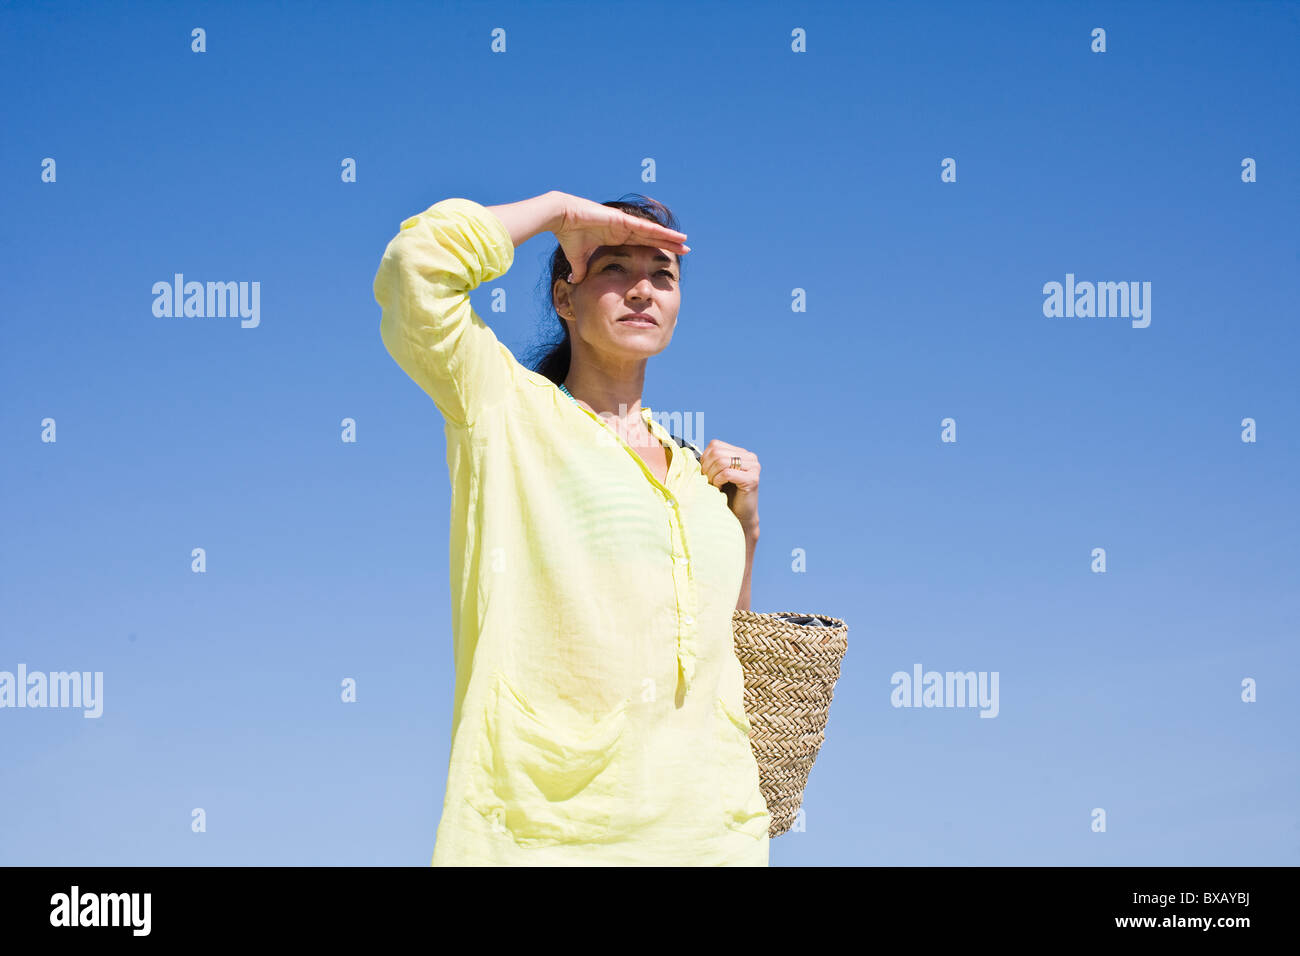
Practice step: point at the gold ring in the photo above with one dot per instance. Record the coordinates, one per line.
(735, 462)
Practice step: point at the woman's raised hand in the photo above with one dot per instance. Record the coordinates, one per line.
(582, 226)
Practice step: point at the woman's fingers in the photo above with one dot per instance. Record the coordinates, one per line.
(578, 262)
(590, 225)
(715, 463)
(654, 234)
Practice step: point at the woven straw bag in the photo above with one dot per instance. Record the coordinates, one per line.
(791, 662)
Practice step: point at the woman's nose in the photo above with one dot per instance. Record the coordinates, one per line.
(643, 288)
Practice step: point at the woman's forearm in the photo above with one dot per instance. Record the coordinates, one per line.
(528, 217)
(751, 542)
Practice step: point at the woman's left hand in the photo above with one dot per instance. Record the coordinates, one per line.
(739, 484)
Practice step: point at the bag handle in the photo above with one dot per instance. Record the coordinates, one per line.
(687, 445)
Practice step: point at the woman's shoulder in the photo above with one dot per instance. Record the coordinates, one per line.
(534, 379)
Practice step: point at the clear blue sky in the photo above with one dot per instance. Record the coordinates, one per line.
(817, 171)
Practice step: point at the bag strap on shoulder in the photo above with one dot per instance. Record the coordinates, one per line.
(687, 445)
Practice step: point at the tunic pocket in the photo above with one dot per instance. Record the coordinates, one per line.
(743, 807)
(544, 781)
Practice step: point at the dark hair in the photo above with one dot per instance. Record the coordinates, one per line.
(551, 358)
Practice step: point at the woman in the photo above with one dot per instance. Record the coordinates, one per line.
(599, 714)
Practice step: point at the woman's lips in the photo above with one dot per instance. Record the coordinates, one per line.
(640, 322)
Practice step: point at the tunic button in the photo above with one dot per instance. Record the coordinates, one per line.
(688, 619)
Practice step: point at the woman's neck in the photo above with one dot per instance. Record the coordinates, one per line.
(615, 400)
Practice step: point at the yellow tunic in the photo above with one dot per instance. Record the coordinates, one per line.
(599, 713)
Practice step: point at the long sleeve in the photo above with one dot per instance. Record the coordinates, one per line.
(428, 325)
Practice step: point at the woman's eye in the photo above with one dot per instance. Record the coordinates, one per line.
(662, 272)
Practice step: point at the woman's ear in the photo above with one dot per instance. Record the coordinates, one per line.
(560, 298)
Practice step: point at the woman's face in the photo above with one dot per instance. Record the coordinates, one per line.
(622, 281)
